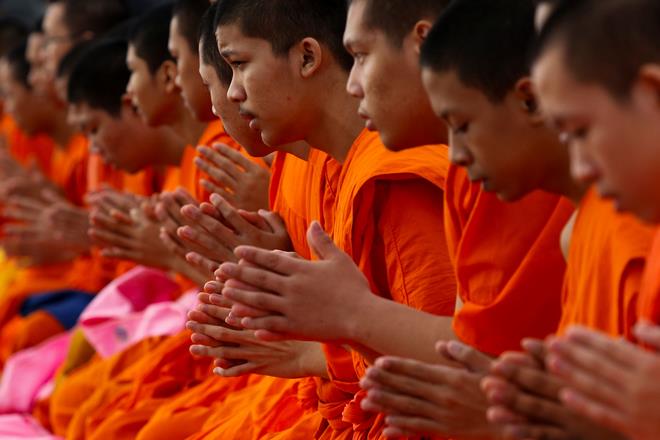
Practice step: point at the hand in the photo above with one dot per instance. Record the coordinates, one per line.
(241, 182)
(299, 302)
(239, 352)
(525, 399)
(421, 398)
(612, 382)
(214, 230)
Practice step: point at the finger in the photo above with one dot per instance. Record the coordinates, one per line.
(217, 173)
(530, 379)
(231, 215)
(269, 328)
(273, 261)
(403, 384)
(261, 279)
(537, 349)
(321, 244)
(235, 156)
(586, 381)
(502, 415)
(617, 350)
(390, 402)
(594, 410)
(113, 239)
(648, 334)
(400, 425)
(256, 219)
(575, 362)
(238, 370)
(219, 313)
(474, 360)
(207, 265)
(222, 162)
(201, 317)
(219, 333)
(524, 432)
(434, 374)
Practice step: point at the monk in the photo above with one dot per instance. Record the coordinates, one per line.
(606, 296)
(604, 375)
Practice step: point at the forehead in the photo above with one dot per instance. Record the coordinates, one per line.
(54, 17)
(448, 91)
(231, 38)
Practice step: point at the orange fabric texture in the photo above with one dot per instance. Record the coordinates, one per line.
(388, 218)
(508, 263)
(21, 333)
(604, 271)
(649, 298)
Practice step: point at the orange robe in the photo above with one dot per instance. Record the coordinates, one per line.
(606, 261)
(649, 296)
(508, 263)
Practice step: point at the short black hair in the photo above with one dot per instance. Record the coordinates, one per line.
(150, 35)
(396, 18)
(610, 40)
(100, 77)
(95, 16)
(283, 23)
(68, 62)
(210, 54)
(13, 32)
(19, 66)
(189, 14)
(486, 42)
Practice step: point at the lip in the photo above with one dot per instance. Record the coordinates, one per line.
(368, 122)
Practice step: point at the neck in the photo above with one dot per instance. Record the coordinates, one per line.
(336, 124)
(189, 128)
(559, 180)
(171, 147)
(61, 132)
(298, 149)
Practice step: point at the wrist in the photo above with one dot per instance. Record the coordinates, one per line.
(355, 325)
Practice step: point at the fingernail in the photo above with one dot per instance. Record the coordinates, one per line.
(456, 349)
(229, 269)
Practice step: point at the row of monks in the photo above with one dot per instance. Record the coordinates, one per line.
(331, 219)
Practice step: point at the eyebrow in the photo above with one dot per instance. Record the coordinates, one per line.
(227, 53)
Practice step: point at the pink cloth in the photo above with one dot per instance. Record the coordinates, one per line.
(17, 426)
(28, 374)
(135, 306)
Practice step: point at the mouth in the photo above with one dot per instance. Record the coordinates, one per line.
(369, 123)
(250, 118)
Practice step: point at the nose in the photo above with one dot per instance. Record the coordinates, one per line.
(458, 153)
(583, 167)
(354, 86)
(236, 92)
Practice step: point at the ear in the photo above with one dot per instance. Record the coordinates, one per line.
(419, 34)
(646, 88)
(525, 96)
(167, 73)
(310, 57)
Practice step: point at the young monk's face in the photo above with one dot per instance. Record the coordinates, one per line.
(195, 96)
(19, 101)
(495, 141)
(234, 124)
(148, 91)
(266, 86)
(614, 141)
(114, 138)
(386, 79)
(57, 40)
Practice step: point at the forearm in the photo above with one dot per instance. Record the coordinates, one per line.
(313, 361)
(385, 327)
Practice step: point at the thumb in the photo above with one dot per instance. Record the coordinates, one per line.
(648, 334)
(320, 243)
(472, 359)
(273, 220)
